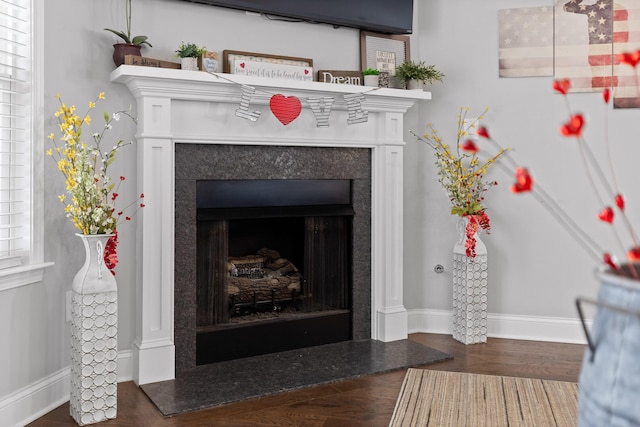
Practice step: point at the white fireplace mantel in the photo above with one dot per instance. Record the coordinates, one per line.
(176, 106)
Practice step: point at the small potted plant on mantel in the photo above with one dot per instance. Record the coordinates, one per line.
(130, 45)
(371, 77)
(189, 54)
(416, 75)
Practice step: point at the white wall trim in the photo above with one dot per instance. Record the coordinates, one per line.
(43, 396)
(533, 328)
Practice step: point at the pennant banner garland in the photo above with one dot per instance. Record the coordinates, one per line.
(321, 108)
(288, 108)
(243, 110)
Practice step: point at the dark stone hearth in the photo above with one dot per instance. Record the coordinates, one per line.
(222, 162)
(241, 379)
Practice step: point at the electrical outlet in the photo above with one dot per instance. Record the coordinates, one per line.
(471, 131)
(68, 306)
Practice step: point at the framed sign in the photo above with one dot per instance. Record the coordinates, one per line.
(230, 56)
(384, 52)
(270, 70)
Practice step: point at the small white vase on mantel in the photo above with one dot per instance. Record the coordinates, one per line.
(94, 341)
(189, 63)
(371, 80)
(469, 290)
(415, 84)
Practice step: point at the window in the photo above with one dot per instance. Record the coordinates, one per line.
(20, 160)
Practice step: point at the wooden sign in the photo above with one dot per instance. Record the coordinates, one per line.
(341, 77)
(269, 70)
(149, 62)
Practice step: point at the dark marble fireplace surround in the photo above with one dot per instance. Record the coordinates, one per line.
(205, 161)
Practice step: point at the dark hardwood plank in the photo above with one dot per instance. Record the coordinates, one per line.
(367, 401)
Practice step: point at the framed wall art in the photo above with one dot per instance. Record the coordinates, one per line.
(384, 52)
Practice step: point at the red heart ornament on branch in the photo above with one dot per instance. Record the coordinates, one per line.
(285, 108)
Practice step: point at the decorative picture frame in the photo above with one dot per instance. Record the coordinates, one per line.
(229, 56)
(210, 62)
(384, 52)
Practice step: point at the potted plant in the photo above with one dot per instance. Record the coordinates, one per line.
(130, 45)
(371, 77)
(189, 53)
(415, 75)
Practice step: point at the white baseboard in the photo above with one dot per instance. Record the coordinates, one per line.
(43, 396)
(534, 328)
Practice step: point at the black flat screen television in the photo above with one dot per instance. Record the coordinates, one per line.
(383, 16)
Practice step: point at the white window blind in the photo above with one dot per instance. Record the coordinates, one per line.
(15, 130)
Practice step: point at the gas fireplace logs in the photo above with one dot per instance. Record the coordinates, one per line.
(262, 277)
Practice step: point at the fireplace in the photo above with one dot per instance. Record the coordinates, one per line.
(224, 197)
(189, 130)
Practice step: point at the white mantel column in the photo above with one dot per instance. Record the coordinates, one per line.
(389, 316)
(153, 346)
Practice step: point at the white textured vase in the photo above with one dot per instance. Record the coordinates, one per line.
(94, 342)
(415, 84)
(469, 290)
(189, 63)
(371, 80)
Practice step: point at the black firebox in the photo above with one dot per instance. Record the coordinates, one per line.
(274, 264)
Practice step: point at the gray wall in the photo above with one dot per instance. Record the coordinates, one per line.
(535, 268)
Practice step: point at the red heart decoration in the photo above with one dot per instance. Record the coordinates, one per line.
(524, 182)
(562, 86)
(606, 215)
(306, 71)
(470, 146)
(242, 64)
(573, 127)
(285, 108)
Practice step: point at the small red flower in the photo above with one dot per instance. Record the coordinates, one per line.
(562, 86)
(110, 254)
(609, 261)
(633, 254)
(122, 178)
(114, 196)
(470, 146)
(606, 215)
(619, 200)
(483, 132)
(523, 183)
(573, 127)
(142, 205)
(630, 58)
(127, 218)
(142, 195)
(606, 95)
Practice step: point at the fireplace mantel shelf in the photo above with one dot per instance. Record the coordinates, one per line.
(204, 86)
(177, 107)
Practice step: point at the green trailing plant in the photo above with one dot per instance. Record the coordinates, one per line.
(126, 37)
(370, 72)
(410, 70)
(189, 50)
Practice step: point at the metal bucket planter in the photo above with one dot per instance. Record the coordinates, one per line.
(609, 382)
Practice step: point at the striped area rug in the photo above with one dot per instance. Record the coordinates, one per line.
(436, 398)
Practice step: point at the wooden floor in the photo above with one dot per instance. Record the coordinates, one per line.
(367, 401)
